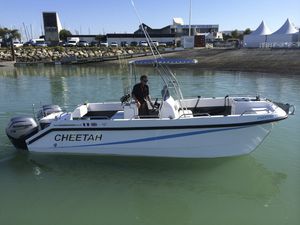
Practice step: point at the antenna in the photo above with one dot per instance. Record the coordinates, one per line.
(190, 16)
(164, 71)
(147, 36)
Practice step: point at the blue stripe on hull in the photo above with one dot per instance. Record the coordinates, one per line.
(170, 136)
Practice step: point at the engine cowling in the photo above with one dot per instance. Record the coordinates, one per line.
(19, 129)
(47, 110)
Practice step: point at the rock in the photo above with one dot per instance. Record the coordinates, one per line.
(119, 52)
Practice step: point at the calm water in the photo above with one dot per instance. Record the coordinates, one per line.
(260, 188)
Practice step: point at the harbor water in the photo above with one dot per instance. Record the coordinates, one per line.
(260, 188)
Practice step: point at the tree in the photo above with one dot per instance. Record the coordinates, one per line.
(64, 34)
(6, 34)
(235, 34)
(247, 31)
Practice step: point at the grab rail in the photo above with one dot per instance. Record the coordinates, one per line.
(185, 114)
(96, 117)
(202, 114)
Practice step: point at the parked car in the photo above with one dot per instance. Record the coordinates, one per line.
(124, 44)
(114, 44)
(36, 42)
(27, 43)
(95, 43)
(17, 44)
(170, 44)
(104, 44)
(133, 43)
(82, 43)
(143, 43)
(40, 43)
(71, 43)
(155, 43)
(62, 43)
(162, 44)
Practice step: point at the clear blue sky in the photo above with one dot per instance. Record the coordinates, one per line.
(98, 16)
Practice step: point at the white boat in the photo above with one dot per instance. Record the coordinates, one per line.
(179, 127)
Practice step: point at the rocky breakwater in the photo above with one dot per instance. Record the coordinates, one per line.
(67, 54)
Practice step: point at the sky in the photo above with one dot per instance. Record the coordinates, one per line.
(118, 16)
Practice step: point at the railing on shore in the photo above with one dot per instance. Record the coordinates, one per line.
(279, 45)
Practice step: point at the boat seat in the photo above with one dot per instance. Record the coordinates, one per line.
(169, 109)
(80, 111)
(130, 111)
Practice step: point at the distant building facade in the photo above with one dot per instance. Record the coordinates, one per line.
(52, 27)
(168, 34)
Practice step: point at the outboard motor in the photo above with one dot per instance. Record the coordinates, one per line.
(19, 129)
(47, 110)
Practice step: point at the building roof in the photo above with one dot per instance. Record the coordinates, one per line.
(178, 21)
(86, 35)
(135, 35)
(286, 28)
(262, 29)
(151, 31)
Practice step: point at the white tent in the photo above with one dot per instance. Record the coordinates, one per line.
(257, 37)
(287, 33)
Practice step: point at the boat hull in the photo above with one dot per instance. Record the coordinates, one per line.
(207, 142)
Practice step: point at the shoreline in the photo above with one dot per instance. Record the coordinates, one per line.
(279, 61)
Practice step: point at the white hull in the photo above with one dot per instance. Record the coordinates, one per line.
(184, 143)
(113, 129)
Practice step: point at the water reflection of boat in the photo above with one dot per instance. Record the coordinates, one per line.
(220, 176)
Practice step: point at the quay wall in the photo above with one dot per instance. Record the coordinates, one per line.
(282, 61)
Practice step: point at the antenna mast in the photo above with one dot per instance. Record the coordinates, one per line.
(190, 16)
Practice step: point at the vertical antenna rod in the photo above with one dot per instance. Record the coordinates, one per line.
(190, 17)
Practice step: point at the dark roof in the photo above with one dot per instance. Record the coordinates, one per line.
(150, 30)
(86, 35)
(121, 35)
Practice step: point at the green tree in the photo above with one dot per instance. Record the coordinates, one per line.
(226, 37)
(235, 34)
(7, 34)
(247, 31)
(64, 34)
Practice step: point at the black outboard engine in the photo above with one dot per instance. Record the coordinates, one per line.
(19, 129)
